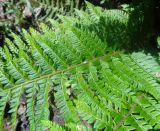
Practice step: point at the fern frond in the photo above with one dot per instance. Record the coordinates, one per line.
(92, 85)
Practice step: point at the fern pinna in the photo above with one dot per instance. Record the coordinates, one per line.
(93, 86)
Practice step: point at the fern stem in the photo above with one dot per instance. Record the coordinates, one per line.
(65, 70)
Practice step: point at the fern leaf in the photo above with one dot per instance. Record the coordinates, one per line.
(12, 47)
(149, 62)
(27, 65)
(42, 105)
(13, 68)
(15, 100)
(87, 96)
(3, 102)
(31, 93)
(52, 126)
(4, 79)
(91, 116)
(63, 101)
(40, 58)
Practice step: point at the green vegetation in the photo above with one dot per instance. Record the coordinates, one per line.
(18, 14)
(96, 68)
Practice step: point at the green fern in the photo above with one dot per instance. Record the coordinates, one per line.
(55, 127)
(52, 126)
(94, 86)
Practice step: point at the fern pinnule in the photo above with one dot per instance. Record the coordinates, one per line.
(11, 47)
(27, 65)
(51, 126)
(42, 105)
(13, 68)
(5, 80)
(31, 91)
(4, 98)
(149, 63)
(15, 100)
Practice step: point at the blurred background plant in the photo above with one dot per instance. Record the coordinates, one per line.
(14, 15)
(18, 14)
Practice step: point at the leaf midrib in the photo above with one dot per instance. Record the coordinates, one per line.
(65, 70)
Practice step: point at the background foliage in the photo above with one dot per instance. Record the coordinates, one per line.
(17, 14)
